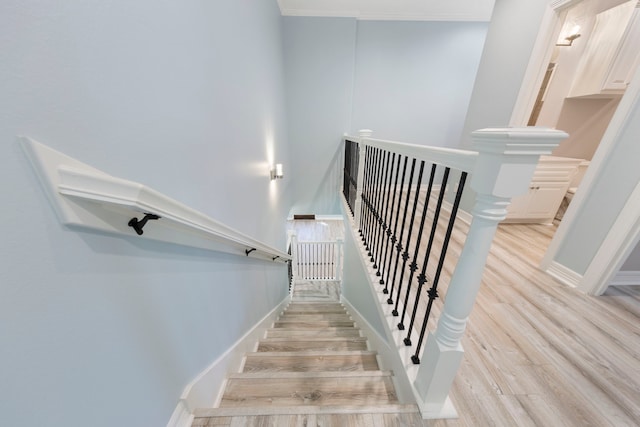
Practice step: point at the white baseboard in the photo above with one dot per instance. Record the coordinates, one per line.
(205, 390)
(182, 416)
(564, 274)
(626, 278)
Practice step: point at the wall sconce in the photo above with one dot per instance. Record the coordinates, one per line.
(276, 171)
(575, 33)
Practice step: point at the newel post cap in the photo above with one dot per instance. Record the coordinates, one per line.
(507, 157)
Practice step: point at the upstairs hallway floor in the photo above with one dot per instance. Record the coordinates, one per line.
(539, 353)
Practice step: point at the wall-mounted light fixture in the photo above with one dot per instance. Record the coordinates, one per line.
(276, 171)
(574, 34)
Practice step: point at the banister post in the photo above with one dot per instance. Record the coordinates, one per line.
(339, 258)
(357, 210)
(294, 255)
(506, 163)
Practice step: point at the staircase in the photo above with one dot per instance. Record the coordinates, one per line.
(312, 368)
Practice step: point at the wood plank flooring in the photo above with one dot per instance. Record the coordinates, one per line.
(539, 353)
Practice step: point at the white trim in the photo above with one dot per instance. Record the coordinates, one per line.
(182, 416)
(207, 387)
(564, 274)
(626, 278)
(86, 197)
(464, 160)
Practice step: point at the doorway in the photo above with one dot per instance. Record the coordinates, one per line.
(552, 97)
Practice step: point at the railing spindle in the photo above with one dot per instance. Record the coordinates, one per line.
(433, 291)
(405, 256)
(414, 263)
(394, 237)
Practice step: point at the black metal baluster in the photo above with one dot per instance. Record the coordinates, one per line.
(346, 184)
(383, 217)
(371, 201)
(422, 278)
(389, 216)
(405, 256)
(399, 245)
(394, 238)
(376, 218)
(433, 291)
(365, 192)
(414, 263)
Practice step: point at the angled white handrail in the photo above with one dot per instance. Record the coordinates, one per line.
(463, 160)
(89, 198)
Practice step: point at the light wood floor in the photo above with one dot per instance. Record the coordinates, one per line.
(538, 353)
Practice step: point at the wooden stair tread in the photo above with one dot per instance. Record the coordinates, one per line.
(316, 353)
(293, 375)
(313, 333)
(334, 390)
(329, 339)
(314, 316)
(383, 408)
(310, 362)
(270, 344)
(317, 324)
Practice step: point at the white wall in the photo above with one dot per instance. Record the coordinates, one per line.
(408, 81)
(185, 97)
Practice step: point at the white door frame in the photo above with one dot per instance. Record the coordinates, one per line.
(625, 232)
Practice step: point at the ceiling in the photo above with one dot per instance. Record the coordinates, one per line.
(400, 10)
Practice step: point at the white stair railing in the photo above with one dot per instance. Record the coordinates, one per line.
(383, 185)
(317, 260)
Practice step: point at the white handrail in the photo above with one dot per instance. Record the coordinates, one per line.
(463, 160)
(89, 198)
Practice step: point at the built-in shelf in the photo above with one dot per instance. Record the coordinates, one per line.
(88, 198)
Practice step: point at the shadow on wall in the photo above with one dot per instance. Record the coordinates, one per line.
(326, 199)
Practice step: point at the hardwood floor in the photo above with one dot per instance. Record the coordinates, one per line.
(538, 353)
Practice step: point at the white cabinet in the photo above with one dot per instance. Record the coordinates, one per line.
(611, 55)
(546, 191)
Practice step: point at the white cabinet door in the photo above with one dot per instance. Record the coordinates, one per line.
(627, 58)
(546, 200)
(601, 51)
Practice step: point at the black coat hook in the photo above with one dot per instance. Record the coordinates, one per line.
(138, 225)
(248, 251)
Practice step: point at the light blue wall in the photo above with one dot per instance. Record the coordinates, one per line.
(186, 97)
(408, 81)
(319, 58)
(414, 79)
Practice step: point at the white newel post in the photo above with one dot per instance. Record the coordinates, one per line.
(338, 261)
(357, 209)
(506, 163)
(294, 255)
